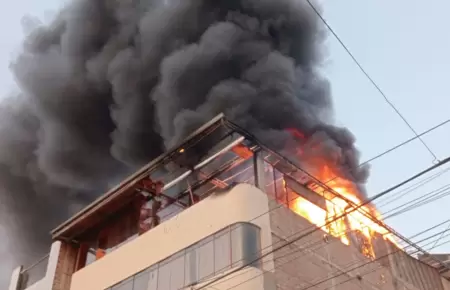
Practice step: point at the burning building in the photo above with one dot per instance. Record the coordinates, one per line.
(220, 210)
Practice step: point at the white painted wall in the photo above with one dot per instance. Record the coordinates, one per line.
(243, 203)
(445, 283)
(246, 279)
(15, 277)
(45, 283)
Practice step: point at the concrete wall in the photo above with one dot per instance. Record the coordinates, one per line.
(246, 279)
(412, 273)
(65, 266)
(15, 279)
(242, 203)
(315, 262)
(445, 284)
(47, 282)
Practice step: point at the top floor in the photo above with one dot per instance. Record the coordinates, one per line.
(211, 160)
(157, 200)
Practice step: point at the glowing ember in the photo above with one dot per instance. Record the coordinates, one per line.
(356, 221)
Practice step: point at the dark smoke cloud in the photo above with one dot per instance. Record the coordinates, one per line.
(109, 85)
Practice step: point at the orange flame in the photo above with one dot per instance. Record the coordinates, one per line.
(361, 220)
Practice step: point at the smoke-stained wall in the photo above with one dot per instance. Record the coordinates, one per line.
(109, 85)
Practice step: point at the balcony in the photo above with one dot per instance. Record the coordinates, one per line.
(201, 242)
(40, 275)
(33, 274)
(197, 172)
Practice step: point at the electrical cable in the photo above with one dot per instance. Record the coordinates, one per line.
(420, 204)
(383, 193)
(367, 263)
(448, 228)
(377, 87)
(282, 205)
(378, 156)
(384, 256)
(371, 271)
(415, 235)
(243, 131)
(340, 271)
(398, 195)
(350, 231)
(368, 161)
(420, 201)
(310, 247)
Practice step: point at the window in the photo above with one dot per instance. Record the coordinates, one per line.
(205, 258)
(153, 278)
(141, 280)
(222, 256)
(124, 285)
(245, 247)
(190, 267)
(233, 246)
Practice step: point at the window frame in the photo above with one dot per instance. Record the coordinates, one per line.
(227, 230)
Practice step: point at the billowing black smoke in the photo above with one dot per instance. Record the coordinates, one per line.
(109, 85)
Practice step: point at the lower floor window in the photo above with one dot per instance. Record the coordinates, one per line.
(231, 247)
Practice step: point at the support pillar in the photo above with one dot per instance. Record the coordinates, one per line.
(15, 279)
(64, 266)
(259, 171)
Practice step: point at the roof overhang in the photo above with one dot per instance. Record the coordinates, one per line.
(123, 193)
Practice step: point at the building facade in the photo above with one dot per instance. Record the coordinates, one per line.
(225, 221)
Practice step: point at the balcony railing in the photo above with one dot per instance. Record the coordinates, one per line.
(34, 273)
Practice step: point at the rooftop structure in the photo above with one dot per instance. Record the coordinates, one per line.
(223, 211)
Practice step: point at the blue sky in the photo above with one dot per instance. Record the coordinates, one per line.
(404, 46)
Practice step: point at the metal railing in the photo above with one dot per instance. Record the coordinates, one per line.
(33, 273)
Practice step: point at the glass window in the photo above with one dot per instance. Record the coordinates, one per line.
(222, 251)
(141, 280)
(191, 266)
(205, 258)
(245, 244)
(124, 285)
(177, 271)
(280, 190)
(269, 178)
(251, 243)
(153, 278)
(90, 256)
(234, 246)
(164, 275)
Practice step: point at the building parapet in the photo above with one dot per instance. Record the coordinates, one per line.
(39, 276)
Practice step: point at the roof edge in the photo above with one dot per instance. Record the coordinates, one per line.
(130, 181)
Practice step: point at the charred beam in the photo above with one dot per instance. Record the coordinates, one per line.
(306, 193)
(229, 165)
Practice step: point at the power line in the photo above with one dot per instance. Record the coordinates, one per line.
(378, 156)
(281, 205)
(373, 270)
(446, 230)
(287, 243)
(341, 272)
(365, 264)
(371, 80)
(411, 188)
(310, 247)
(418, 136)
(422, 200)
(395, 147)
(392, 188)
